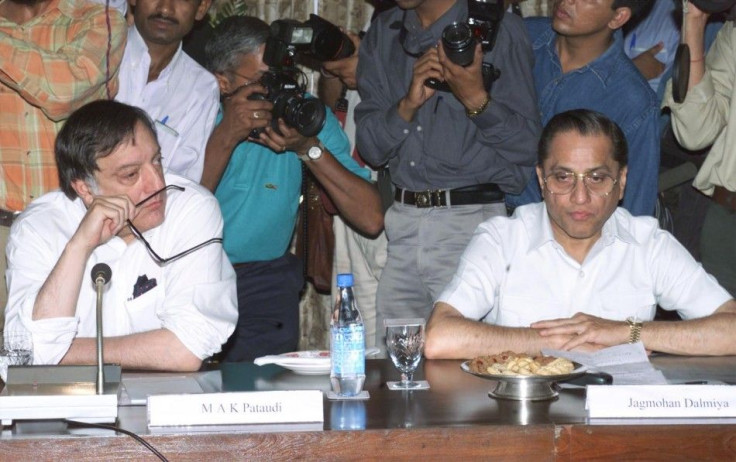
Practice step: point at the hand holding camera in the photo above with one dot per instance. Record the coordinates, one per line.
(243, 115)
(286, 138)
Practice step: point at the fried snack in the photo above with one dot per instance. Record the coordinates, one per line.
(510, 363)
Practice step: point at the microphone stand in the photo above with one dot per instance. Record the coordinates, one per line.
(101, 274)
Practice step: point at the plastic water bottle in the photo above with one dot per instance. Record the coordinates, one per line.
(347, 341)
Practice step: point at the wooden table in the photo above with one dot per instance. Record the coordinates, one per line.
(455, 420)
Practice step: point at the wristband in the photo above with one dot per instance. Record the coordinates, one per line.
(634, 329)
(474, 112)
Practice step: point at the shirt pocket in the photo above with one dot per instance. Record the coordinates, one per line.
(143, 310)
(522, 311)
(619, 305)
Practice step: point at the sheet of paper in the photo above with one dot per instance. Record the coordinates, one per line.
(628, 363)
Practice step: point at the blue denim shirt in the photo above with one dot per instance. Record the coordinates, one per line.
(612, 85)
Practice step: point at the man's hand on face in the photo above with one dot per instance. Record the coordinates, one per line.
(241, 115)
(466, 83)
(345, 69)
(106, 217)
(585, 329)
(288, 140)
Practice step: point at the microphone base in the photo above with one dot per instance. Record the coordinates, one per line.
(59, 392)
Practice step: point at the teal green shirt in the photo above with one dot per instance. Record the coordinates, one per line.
(259, 194)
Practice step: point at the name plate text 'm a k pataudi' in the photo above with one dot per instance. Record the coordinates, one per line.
(259, 407)
(658, 401)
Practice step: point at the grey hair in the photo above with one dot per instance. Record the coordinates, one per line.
(232, 39)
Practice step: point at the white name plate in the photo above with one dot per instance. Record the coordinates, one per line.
(656, 401)
(258, 407)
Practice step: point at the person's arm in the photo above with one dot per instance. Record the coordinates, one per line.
(450, 335)
(240, 116)
(710, 335)
(158, 349)
(381, 130)
(700, 118)
(105, 217)
(60, 81)
(356, 199)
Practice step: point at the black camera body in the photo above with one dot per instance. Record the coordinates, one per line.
(315, 37)
(289, 38)
(459, 39)
(306, 114)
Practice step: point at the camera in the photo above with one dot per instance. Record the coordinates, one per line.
(287, 40)
(306, 114)
(316, 37)
(459, 39)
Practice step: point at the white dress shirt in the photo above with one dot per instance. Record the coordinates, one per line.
(194, 297)
(514, 273)
(183, 102)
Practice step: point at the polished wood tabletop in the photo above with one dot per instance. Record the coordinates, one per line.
(454, 419)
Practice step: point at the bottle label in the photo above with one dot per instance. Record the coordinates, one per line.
(348, 350)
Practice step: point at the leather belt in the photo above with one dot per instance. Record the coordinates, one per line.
(477, 194)
(725, 198)
(7, 217)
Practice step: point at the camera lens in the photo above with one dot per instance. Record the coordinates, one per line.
(307, 115)
(459, 44)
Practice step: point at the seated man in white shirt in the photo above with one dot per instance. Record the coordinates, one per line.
(576, 271)
(180, 96)
(162, 310)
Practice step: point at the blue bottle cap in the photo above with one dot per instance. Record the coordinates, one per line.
(345, 280)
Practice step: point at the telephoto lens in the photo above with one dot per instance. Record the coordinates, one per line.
(459, 43)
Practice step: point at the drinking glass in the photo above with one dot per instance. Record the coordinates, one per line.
(405, 344)
(16, 349)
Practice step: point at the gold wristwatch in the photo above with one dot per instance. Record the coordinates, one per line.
(634, 329)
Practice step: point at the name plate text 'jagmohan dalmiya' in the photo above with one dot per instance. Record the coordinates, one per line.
(656, 401)
(259, 407)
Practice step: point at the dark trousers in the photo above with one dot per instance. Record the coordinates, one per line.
(268, 308)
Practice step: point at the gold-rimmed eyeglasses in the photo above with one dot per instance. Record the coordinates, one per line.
(564, 182)
(153, 254)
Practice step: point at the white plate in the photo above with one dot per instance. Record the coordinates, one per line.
(313, 362)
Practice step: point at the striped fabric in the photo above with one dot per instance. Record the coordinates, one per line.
(49, 67)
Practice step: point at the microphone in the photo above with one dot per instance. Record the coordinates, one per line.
(101, 274)
(101, 271)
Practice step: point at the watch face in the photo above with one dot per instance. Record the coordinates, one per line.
(314, 153)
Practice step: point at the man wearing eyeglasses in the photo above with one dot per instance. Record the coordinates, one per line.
(576, 271)
(171, 300)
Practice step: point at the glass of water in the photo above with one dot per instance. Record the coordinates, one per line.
(405, 344)
(16, 349)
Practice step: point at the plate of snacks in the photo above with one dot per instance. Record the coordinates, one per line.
(523, 377)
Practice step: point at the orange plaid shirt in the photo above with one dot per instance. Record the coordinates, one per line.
(49, 67)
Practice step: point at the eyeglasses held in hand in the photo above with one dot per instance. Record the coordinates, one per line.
(598, 183)
(153, 253)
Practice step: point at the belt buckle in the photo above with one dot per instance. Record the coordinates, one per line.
(430, 198)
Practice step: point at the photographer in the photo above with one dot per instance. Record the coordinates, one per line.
(452, 154)
(706, 116)
(258, 182)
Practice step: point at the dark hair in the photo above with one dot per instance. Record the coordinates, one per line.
(586, 123)
(233, 38)
(636, 6)
(93, 131)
